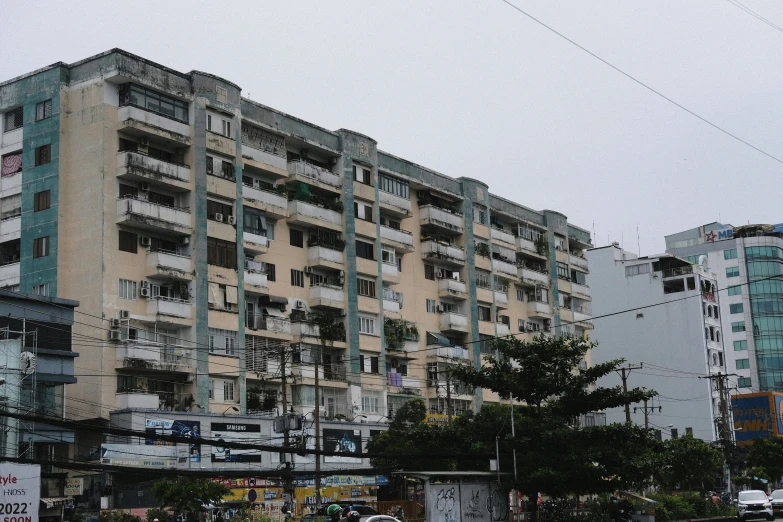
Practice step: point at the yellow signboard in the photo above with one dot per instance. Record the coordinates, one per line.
(436, 418)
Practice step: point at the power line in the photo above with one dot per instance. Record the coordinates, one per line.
(639, 82)
(755, 15)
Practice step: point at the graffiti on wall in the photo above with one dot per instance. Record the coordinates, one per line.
(478, 502)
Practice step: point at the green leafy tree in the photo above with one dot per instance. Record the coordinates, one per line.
(161, 515)
(115, 515)
(766, 454)
(187, 495)
(690, 464)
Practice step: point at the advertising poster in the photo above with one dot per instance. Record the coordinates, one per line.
(236, 432)
(20, 491)
(181, 428)
(342, 441)
(754, 416)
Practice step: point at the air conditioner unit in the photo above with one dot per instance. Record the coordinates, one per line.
(144, 186)
(342, 273)
(145, 241)
(144, 292)
(218, 217)
(144, 142)
(283, 307)
(343, 313)
(190, 377)
(308, 270)
(441, 309)
(300, 305)
(231, 220)
(439, 274)
(145, 284)
(124, 314)
(114, 335)
(184, 240)
(115, 323)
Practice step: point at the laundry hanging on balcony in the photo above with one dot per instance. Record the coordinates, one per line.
(231, 295)
(302, 191)
(436, 338)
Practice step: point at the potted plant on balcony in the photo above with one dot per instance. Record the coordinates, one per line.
(482, 249)
(542, 245)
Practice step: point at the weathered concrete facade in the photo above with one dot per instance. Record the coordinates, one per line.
(193, 224)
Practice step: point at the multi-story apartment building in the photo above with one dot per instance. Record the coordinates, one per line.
(672, 330)
(748, 261)
(201, 231)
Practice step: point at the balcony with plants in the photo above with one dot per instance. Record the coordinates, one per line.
(401, 335)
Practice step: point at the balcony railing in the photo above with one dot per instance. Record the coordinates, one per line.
(389, 270)
(134, 159)
(577, 288)
(273, 157)
(577, 261)
(395, 201)
(327, 292)
(453, 321)
(432, 215)
(309, 210)
(130, 208)
(308, 170)
(269, 323)
(452, 287)
(504, 267)
(678, 271)
(539, 309)
(502, 235)
(532, 275)
(433, 249)
(170, 260)
(502, 329)
(398, 236)
(169, 306)
(317, 254)
(267, 197)
(452, 352)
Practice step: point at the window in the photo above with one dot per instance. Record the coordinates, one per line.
(562, 270)
(484, 313)
(429, 272)
(222, 342)
(364, 250)
(740, 346)
(43, 110)
(715, 311)
(675, 434)
(374, 368)
(730, 253)
(432, 306)
(13, 119)
(479, 214)
(520, 294)
(297, 278)
(689, 431)
(735, 290)
(388, 256)
(271, 274)
(153, 101)
(366, 287)
(211, 395)
(735, 308)
(216, 209)
(691, 283)
(42, 289)
(366, 325)
(637, 269)
(743, 382)
(11, 207)
(43, 155)
(41, 200)
(127, 289)
(226, 128)
(362, 175)
(128, 242)
(363, 211)
(485, 343)
(743, 364)
(732, 271)
(254, 221)
(739, 326)
(41, 247)
(394, 186)
(371, 404)
(228, 391)
(12, 163)
(221, 253)
(296, 237)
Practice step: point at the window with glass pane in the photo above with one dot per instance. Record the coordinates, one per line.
(739, 326)
(732, 271)
(11, 163)
(744, 382)
(740, 346)
(730, 253)
(43, 110)
(743, 364)
(152, 101)
(13, 120)
(735, 290)
(735, 308)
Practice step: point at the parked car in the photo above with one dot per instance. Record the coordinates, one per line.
(754, 503)
(776, 499)
(364, 511)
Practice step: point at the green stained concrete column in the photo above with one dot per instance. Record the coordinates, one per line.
(199, 252)
(555, 222)
(240, 216)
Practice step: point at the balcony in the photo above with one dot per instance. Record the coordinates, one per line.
(156, 357)
(581, 290)
(221, 144)
(502, 236)
(138, 400)
(11, 184)
(268, 323)
(403, 381)
(391, 307)
(299, 329)
(539, 309)
(452, 288)
(398, 206)
(255, 274)
(501, 299)
(452, 352)
(442, 252)
(677, 271)
(325, 257)
(308, 214)
(255, 243)
(137, 166)
(441, 219)
(582, 315)
(578, 262)
(313, 174)
(401, 240)
(143, 123)
(11, 228)
(165, 264)
(152, 216)
(10, 274)
(453, 322)
(533, 277)
(271, 202)
(327, 295)
(265, 161)
(505, 268)
(502, 329)
(170, 308)
(389, 273)
(529, 247)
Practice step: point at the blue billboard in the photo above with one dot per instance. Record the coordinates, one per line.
(756, 415)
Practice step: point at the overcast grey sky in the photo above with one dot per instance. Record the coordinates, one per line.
(476, 89)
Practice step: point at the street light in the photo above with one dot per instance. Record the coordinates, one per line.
(231, 408)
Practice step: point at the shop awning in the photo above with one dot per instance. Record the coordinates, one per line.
(437, 338)
(274, 312)
(51, 502)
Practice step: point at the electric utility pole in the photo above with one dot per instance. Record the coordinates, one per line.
(647, 411)
(318, 431)
(288, 484)
(448, 394)
(624, 373)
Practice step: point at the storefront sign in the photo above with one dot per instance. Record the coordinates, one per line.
(20, 492)
(235, 432)
(73, 487)
(342, 441)
(436, 418)
(182, 428)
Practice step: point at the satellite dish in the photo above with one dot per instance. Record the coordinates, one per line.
(27, 363)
